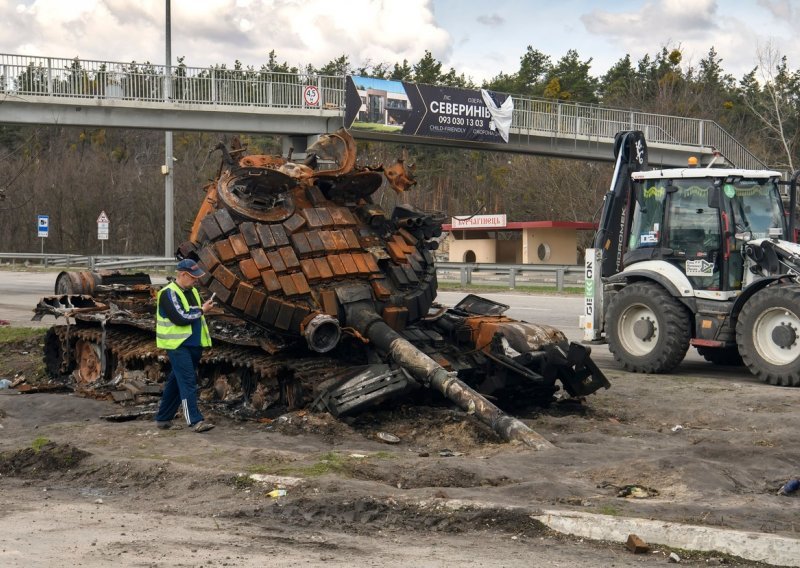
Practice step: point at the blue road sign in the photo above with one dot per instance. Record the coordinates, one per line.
(43, 225)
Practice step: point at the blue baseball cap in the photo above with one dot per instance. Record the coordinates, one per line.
(190, 266)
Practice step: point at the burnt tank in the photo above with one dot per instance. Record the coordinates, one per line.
(326, 301)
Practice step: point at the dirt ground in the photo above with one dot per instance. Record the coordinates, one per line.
(78, 490)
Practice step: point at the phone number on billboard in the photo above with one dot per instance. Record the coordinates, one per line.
(461, 121)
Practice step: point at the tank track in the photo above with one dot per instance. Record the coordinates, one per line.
(240, 381)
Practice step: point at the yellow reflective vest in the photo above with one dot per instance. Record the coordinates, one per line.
(170, 335)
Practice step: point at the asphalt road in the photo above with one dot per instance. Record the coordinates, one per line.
(20, 291)
(559, 311)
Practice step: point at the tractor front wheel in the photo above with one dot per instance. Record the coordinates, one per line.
(648, 330)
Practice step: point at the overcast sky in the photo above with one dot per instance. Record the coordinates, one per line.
(477, 38)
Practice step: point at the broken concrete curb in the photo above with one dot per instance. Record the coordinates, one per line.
(762, 547)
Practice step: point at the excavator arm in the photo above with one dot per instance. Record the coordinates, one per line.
(605, 259)
(630, 150)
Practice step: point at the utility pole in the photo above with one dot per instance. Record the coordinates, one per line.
(169, 245)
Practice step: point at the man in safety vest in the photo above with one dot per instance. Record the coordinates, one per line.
(181, 329)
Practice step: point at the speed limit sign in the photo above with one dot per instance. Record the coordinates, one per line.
(311, 95)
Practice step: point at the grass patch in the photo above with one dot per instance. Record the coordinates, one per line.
(260, 469)
(150, 456)
(16, 334)
(609, 510)
(243, 482)
(330, 462)
(269, 468)
(39, 443)
(327, 463)
(382, 455)
(456, 286)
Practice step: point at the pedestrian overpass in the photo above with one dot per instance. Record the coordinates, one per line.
(95, 94)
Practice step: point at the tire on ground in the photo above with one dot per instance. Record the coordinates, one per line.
(768, 335)
(648, 331)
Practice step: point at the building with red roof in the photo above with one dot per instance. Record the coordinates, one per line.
(492, 239)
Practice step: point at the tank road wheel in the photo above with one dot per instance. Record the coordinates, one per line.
(88, 361)
(767, 334)
(65, 284)
(648, 330)
(721, 355)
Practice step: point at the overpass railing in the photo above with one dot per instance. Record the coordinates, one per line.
(594, 122)
(558, 276)
(74, 78)
(248, 87)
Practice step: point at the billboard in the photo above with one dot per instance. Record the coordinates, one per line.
(424, 110)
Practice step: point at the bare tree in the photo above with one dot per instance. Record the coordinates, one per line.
(772, 99)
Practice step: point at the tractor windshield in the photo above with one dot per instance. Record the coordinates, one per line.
(648, 214)
(755, 206)
(675, 213)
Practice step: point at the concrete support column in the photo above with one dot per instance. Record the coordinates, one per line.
(297, 145)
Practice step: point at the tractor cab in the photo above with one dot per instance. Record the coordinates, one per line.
(699, 220)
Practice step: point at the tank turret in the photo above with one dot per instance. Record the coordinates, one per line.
(288, 246)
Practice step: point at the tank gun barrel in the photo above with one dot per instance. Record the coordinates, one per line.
(423, 368)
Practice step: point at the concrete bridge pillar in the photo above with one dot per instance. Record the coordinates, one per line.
(297, 144)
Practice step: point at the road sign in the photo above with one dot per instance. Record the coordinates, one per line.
(43, 225)
(311, 95)
(102, 226)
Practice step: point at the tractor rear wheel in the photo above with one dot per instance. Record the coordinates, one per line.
(648, 330)
(768, 335)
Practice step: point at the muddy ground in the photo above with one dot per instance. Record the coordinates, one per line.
(79, 490)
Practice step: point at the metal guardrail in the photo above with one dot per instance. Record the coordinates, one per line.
(147, 83)
(68, 261)
(467, 272)
(536, 274)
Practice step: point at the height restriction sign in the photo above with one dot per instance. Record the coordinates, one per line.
(311, 95)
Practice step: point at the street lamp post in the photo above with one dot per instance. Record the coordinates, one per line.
(169, 246)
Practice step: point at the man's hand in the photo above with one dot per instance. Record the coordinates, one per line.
(207, 305)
